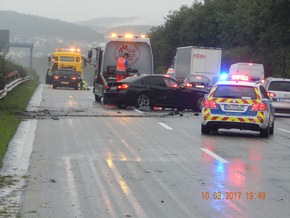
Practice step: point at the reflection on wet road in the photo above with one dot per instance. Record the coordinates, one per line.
(109, 162)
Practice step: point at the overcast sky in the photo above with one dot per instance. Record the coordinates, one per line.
(79, 10)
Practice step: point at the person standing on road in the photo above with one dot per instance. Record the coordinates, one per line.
(122, 67)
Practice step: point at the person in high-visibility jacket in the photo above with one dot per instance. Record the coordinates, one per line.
(122, 67)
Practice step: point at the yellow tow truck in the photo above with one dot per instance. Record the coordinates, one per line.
(65, 58)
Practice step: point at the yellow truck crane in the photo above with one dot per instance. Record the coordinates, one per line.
(65, 58)
(105, 56)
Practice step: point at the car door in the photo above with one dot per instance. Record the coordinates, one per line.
(49, 76)
(173, 93)
(266, 99)
(157, 90)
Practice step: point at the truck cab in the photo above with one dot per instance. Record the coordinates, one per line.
(65, 58)
(104, 57)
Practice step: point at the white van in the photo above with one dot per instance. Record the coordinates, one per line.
(247, 71)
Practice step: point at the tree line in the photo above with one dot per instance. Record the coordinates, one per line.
(256, 31)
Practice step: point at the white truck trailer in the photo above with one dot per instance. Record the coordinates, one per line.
(192, 60)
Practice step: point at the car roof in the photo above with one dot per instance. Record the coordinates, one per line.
(140, 76)
(278, 79)
(237, 83)
(192, 75)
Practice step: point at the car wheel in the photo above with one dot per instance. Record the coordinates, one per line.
(271, 131)
(265, 132)
(199, 104)
(142, 100)
(180, 109)
(205, 130)
(97, 98)
(54, 86)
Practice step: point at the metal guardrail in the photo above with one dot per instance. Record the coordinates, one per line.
(12, 85)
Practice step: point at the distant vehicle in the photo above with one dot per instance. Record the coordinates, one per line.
(65, 58)
(105, 57)
(171, 73)
(153, 91)
(66, 77)
(238, 105)
(278, 90)
(250, 71)
(212, 82)
(194, 60)
(196, 81)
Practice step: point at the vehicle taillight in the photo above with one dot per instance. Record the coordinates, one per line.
(259, 107)
(122, 86)
(207, 104)
(271, 94)
(74, 78)
(188, 85)
(174, 86)
(56, 76)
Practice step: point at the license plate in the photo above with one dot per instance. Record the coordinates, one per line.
(234, 107)
(113, 87)
(284, 99)
(65, 83)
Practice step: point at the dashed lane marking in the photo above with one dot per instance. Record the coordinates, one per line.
(284, 130)
(165, 126)
(210, 153)
(141, 112)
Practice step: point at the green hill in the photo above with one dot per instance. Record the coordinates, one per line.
(30, 26)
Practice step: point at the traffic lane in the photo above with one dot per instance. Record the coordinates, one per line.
(108, 167)
(69, 102)
(111, 172)
(66, 98)
(136, 167)
(284, 125)
(254, 166)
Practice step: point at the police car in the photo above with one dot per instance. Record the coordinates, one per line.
(238, 104)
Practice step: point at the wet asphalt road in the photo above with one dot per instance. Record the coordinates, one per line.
(92, 160)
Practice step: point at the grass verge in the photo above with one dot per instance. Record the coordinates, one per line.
(15, 101)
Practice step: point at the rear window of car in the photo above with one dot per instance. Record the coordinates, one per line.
(65, 73)
(283, 86)
(228, 91)
(197, 79)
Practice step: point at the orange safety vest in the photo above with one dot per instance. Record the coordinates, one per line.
(121, 66)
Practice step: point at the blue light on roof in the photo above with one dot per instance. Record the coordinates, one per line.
(224, 76)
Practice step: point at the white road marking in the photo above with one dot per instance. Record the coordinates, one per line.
(165, 126)
(141, 112)
(285, 130)
(214, 155)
